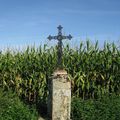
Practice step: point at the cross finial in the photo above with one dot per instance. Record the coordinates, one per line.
(60, 29)
(60, 37)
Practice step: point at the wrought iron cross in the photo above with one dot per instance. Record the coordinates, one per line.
(60, 37)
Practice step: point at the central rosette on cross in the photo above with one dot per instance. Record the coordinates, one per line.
(59, 37)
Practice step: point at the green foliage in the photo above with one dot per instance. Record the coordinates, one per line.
(11, 108)
(104, 108)
(93, 71)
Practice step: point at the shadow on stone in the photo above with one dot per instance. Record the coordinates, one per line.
(42, 110)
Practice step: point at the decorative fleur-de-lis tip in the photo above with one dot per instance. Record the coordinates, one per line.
(69, 37)
(49, 37)
(59, 27)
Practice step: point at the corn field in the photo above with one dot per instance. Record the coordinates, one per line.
(93, 71)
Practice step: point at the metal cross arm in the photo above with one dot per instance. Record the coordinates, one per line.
(59, 37)
(52, 37)
(69, 37)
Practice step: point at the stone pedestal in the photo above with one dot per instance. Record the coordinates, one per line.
(59, 99)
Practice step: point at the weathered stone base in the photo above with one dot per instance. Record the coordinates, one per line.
(59, 100)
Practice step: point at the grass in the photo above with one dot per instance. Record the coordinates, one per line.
(11, 108)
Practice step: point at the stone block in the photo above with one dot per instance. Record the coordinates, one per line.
(59, 99)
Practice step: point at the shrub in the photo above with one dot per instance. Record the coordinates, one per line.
(104, 108)
(11, 108)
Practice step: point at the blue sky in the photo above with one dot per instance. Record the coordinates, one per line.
(28, 22)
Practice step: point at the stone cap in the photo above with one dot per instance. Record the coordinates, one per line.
(59, 72)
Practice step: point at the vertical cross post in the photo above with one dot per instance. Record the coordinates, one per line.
(59, 37)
